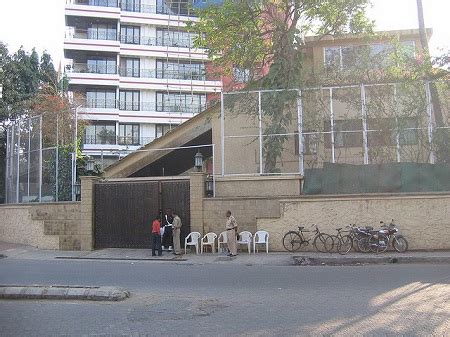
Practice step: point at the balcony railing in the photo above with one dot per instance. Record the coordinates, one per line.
(181, 9)
(153, 41)
(162, 74)
(145, 106)
(116, 140)
(112, 35)
(93, 68)
(91, 34)
(102, 3)
(160, 8)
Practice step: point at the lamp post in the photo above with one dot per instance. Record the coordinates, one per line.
(209, 186)
(198, 161)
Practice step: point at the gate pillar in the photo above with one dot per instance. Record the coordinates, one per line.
(197, 193)
(86, 228)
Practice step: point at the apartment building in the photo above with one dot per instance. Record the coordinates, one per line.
(133, 71)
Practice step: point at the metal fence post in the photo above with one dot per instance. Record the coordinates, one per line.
(40, 158)
(260, 134)
(18, 164)
(429, 120)
(222, 132)
(57, 161)
(214, 169)
(333, 153)
(364, 124)
(28, 158)
(397, 130)
(301, 166)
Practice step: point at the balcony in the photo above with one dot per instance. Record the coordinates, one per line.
(100, 3)
(92, 74)
(90, 34)
(144, 106)
(93, 68)
(178, 9)
(100, 139)
(153, 41)
(162, 74)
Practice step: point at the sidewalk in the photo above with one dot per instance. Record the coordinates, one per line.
(14, 251)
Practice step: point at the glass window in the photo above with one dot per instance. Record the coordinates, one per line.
(100, 98)
(332, 58)
(131, 5)
(348, 133)
(100, 133)
(129, 100)
(102, 65)
(174, 38)
(180, 7)
(102, 31)
(175, 102)
(129, 134)
(241, 75)
(130, 34)
(182, 71)
(162, 129)
(130, 67)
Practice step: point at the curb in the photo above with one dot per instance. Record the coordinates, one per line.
(119, 258)
(305, 260)
(55, 292)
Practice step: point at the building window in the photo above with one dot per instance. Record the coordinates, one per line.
(180, 7)
(130, 34)
(348, 133)
(102, 31)
(348, 57)
(180, 71)
(241, 75)
(102, 65)
(131, 5)
(129, 100)
(175, 38)
(162, 129)
(129, 134)
(175, 102)
(130, 67)
(100, 99)
(100, 133)
(103, 3)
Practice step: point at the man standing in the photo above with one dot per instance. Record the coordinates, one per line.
(156, 236)
(176, 227)
(231, 227)
(167, 236)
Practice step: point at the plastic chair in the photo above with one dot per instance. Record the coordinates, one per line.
(195, 237)
(246, 238)
(210, 241)
(261, 237)
(221, 240)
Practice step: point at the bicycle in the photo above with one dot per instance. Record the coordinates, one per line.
(344, 243)
(294, 240)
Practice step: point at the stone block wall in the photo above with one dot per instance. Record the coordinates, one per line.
(245, 210)
(424, 219)
(45, 226)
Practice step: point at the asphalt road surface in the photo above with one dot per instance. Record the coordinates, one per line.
(231, 300)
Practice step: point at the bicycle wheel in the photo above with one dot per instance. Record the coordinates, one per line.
(345, 244)
(320, 243)
(400, 244)
(332, 243)
(363, 244)
(292, 241)
(378, 243)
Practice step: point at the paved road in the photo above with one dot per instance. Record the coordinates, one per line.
(232, 300)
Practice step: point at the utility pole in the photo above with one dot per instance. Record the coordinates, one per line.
(422, 30)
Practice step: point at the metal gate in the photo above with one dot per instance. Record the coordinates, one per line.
(124, 210)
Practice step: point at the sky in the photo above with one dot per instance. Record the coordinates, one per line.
(23, 23)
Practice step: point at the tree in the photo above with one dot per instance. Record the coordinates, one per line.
(256, 34)
(23, 75)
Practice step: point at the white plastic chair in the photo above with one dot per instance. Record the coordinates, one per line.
(261, 237)
(195, 237)
(245, 238)
(209, 240)
(221, 240)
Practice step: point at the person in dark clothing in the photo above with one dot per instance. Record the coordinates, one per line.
(156, 236)
(167, 236)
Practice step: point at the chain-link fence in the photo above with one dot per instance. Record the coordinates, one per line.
(354, 124)
(40, 162)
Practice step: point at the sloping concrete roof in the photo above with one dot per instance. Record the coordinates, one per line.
(148, 154)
